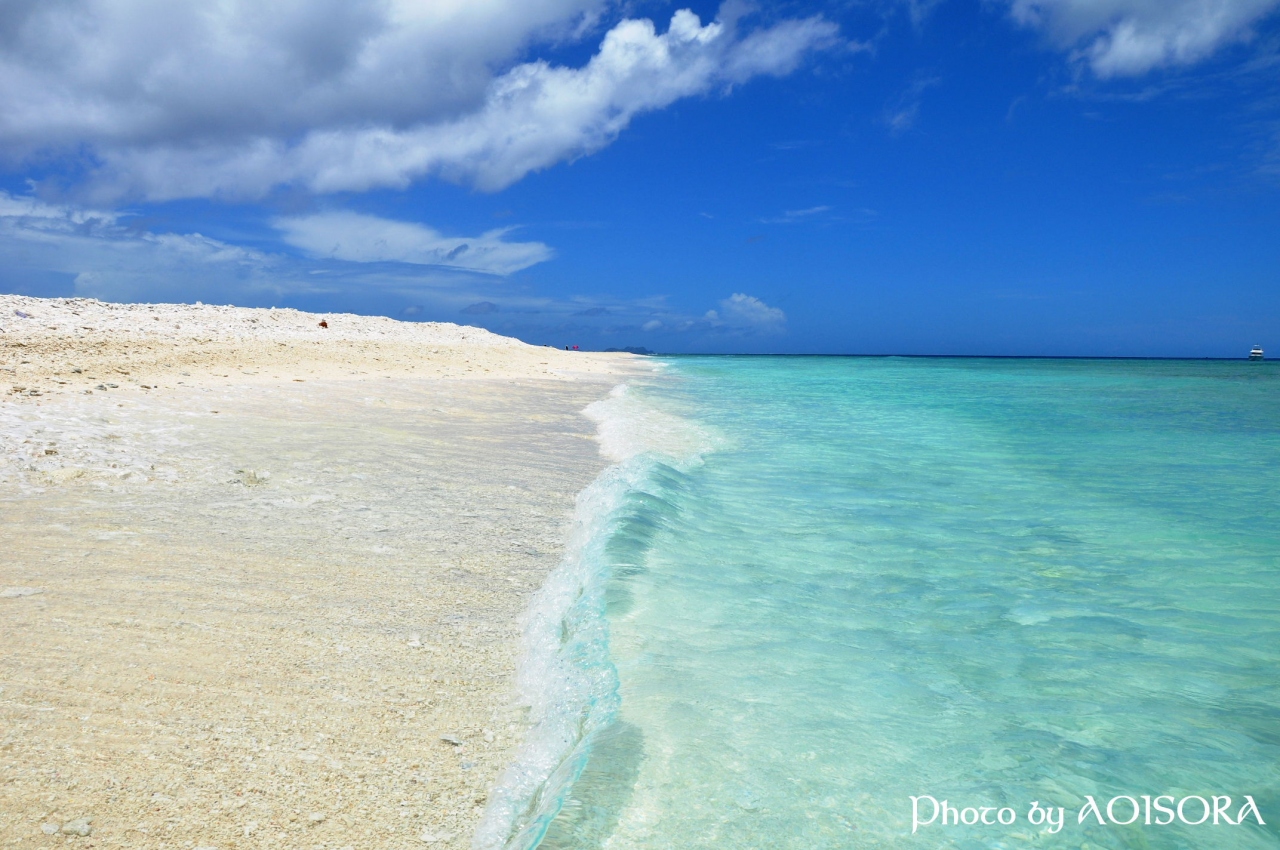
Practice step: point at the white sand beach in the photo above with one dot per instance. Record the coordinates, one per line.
(261, 578)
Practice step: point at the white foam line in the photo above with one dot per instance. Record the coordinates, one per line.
(565, 675)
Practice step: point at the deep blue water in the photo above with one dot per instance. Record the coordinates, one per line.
(854, 580)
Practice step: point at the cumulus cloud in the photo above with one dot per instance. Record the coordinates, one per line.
(1129, 37)
(179, 99)
(367, 239)
(747, 313)
(154, 72)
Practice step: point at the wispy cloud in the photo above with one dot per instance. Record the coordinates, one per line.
(102, 255)
(110, 256)
(1269, 166)
(368, 239)
(629, 321)
(823, 213)
(919, 10)
(796, 144)
(794, 216)
(1118, 38)
(903, 112)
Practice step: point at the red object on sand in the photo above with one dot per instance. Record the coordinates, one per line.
(323, 323)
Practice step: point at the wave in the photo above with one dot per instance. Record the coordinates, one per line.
(565, 675)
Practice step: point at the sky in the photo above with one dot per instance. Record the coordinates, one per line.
(997, 177)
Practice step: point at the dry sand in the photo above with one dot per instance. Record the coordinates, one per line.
(260, 579)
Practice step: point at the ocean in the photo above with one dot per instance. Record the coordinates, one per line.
(814, 588)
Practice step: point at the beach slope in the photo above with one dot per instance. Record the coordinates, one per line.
(262, 577)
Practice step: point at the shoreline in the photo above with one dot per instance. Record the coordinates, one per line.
(269, 625)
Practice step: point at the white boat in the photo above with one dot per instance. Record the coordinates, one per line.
(1256, 353)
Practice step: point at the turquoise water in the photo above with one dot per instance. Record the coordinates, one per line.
(848, 581)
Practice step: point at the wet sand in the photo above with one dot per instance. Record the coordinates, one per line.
(275, 609)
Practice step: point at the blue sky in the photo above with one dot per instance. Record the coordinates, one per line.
(1068, 177)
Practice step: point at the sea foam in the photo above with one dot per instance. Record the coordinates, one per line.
(565, 676)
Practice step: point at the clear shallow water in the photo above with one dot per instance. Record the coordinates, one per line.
(990, 581)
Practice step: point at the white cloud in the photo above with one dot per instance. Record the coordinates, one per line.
(63, 229)
(747, 313)
(367, 239)
(38, 216)
(1130, 37)
(183, 99)
(150, 72)
(56, 248)
(903, 113)
(793, 216)
(105, 257)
